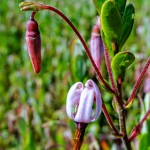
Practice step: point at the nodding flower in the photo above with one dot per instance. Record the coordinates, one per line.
(33, 42)
(96, 45)
(84, 104)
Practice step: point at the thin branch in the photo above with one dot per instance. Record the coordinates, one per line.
(107, 61)
(82, 41)
(137, 84)
(109, 120)
(136, 130)
(121, 113)
(79, 135)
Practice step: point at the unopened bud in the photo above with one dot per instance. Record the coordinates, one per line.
(33, 42)
(96, 46)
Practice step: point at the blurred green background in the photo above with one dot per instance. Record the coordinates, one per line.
(32, 106)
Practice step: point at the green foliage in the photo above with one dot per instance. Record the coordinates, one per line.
(128, 20)
(111, 21)
(98, 5)
(121, 5)
(45, 125)
(144, 142)
(121, 62)
(116, 22)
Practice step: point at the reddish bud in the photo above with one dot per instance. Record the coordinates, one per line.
(33, 42)
(96, 46)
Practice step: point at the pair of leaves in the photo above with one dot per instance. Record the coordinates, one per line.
(116, 21)
(120, 3)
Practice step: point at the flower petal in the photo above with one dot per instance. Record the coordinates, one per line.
(73, 98)
(85, 106)
(91, 84)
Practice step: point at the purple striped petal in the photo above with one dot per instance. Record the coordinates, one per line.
(84, 99)
(73, 98)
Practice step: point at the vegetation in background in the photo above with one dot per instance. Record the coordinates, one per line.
(32, 107)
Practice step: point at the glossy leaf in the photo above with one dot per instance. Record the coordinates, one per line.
(107, 43)
(121, 5)
(98, 4)
(144, 142)
(128, 20)
(111, 20)
(121, 62)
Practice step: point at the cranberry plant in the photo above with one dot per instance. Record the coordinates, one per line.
(113, 27)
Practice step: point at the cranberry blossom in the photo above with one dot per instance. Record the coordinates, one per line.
(80, 102)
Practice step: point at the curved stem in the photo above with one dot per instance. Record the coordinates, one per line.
(82, 41)
(137, 84)
(107, 60)
(109, 120)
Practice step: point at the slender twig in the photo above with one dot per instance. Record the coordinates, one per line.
(107, 61)
(136, 130)
(109, 120)
(82, 41)
(137, 83)
(119, 101)
(121, 113)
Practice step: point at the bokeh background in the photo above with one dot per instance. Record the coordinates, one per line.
(32, 106)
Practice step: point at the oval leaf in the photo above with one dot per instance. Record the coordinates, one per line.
(121, 62)
(111, 20)
(98, 4)
(128, 20)
(144, 143)
(121, 5)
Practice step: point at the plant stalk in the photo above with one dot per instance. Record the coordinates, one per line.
(121, 113)
(79, 135)
(137, 83)
(82, 41)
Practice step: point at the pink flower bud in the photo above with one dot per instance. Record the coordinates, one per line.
(33, 42)
(80, 101)
(96, 46)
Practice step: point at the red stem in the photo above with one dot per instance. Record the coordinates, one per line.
(108, 118)
(107, 60)
(135, 132)
(83, 43)
(137, 84)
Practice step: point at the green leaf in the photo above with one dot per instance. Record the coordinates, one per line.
(22, 126)
(129, 105)
(128, 20)
(115, 105)
(144, 143)
(111, 21)
(121, 62)
(121, 5)
(98, 4)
